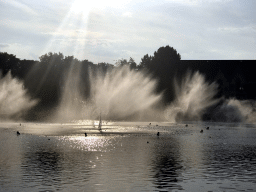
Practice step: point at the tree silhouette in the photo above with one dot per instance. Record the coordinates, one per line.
(8, 62)
(145, 62)
(123, 62)
(132, 64)
(163, 66)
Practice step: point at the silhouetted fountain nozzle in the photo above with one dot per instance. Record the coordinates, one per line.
(99, 127)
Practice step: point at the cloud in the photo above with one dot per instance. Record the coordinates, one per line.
(196, 2)
(2, 45)
(21, 6)
(196, 28)
(127, 14)
(251, 29)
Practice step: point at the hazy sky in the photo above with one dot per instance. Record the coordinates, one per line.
(105, 31)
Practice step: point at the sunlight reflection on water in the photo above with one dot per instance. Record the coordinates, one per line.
(130, 158)
(92, 143)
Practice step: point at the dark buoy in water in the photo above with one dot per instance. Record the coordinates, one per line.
(158, 134)
(207, 128)
(147, 142)
(186, 125)
(18, 133)
(85, 134)
(201, 131)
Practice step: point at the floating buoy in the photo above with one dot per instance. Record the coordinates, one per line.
(18, 133)
(201, 131)
(158, 134)
(207, 128)
(85, 134)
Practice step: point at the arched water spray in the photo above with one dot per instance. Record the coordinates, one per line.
(193, 96)
(14, 100)
(116, 94)
(123, 92)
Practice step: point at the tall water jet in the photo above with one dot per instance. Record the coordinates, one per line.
(192, 98)
(14, 100)
(72, 103)
(118, 93)
(122, 92)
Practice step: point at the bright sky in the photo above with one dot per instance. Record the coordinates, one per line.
(105, 31)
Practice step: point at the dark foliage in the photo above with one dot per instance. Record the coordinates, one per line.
(163, 66)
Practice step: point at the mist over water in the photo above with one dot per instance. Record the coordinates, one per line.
(72, 105)
(233, 110)
(196, 100)
(14, 100)
(193, 95)
(117, 94)
(124, 94)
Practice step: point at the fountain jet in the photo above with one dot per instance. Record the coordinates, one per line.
(14, 100)
(116, 94)
(193, 97)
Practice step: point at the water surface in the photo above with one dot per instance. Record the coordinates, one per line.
(127, 156)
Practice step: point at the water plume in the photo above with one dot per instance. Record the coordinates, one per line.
(117, 94)
(233, 110)
(14, 100)
(193, 96)
(123, 92)
(72, 103)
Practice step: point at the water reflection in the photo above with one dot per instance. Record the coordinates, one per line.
(181, 158)
(240, 161)
(62, 162)
(167, 163)
(10, 156)
(41, 168)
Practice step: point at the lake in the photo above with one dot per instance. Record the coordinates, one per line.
(127, 156)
